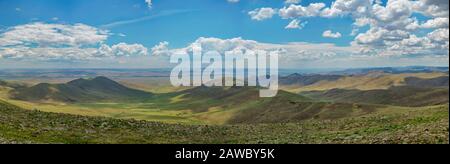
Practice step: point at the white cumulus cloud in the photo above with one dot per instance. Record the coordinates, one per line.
(393, 25)
(288, 52)
(61, 42)
(161, 49)
(296, 24)
(292, 1)
(295, 11)
(233, 1)
(44, 35)
(262, 13)
(330, 34)
(149, 3)
(436, 23)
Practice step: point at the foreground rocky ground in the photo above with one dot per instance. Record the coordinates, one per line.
(423, 125)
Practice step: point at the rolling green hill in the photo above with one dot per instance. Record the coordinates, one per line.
(200, 99)
(242, 105)
(212, 105)
(99, 89)
(399, 96)
(370, 81)
(404, 89)
(11, 85)
(228, 105)
(304, 80)
(442, 81)
(411, 110)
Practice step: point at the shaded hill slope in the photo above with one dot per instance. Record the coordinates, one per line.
(242, 105)
(11, 85)
(442, 81)
(81, 90)
(303, 80)
(215, 105)
(399, 96)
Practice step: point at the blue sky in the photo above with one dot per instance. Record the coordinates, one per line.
(181, 23)
(190, 19)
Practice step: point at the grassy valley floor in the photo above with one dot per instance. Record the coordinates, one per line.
(408, 125)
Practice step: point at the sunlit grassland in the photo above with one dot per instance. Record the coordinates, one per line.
(371, 81)
(150, 84)
(163, 108)
(140, 111)
(166, 118)
(173, 108)
(170, 106)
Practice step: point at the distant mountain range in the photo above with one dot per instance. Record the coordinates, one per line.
(98, 89)
(165, 72)
(393, 70)
(82, 73)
